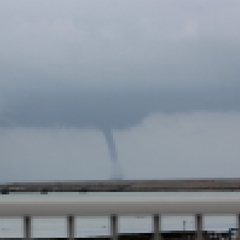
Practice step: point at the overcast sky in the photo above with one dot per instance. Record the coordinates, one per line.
(162, 77)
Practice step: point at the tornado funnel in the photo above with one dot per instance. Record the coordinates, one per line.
(115, 169)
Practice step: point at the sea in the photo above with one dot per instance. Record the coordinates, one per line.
(49, 227)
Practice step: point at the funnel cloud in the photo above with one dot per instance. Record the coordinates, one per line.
(116, 172)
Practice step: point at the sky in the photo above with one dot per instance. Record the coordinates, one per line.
(119, 89)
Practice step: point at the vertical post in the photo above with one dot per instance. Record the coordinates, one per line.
(238, 226)
(27, 227)
(70, 227)
(157, 226)
(198, 226)
(114, 226)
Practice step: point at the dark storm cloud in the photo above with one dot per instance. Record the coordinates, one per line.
(109, 110)
(107, 65)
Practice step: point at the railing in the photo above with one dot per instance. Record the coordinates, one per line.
(29, 206)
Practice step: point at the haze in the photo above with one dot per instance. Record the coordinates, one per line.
(156, 82)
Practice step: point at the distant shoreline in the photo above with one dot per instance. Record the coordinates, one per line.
(181, 185)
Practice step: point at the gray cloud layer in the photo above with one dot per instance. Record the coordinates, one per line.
(108, 64)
